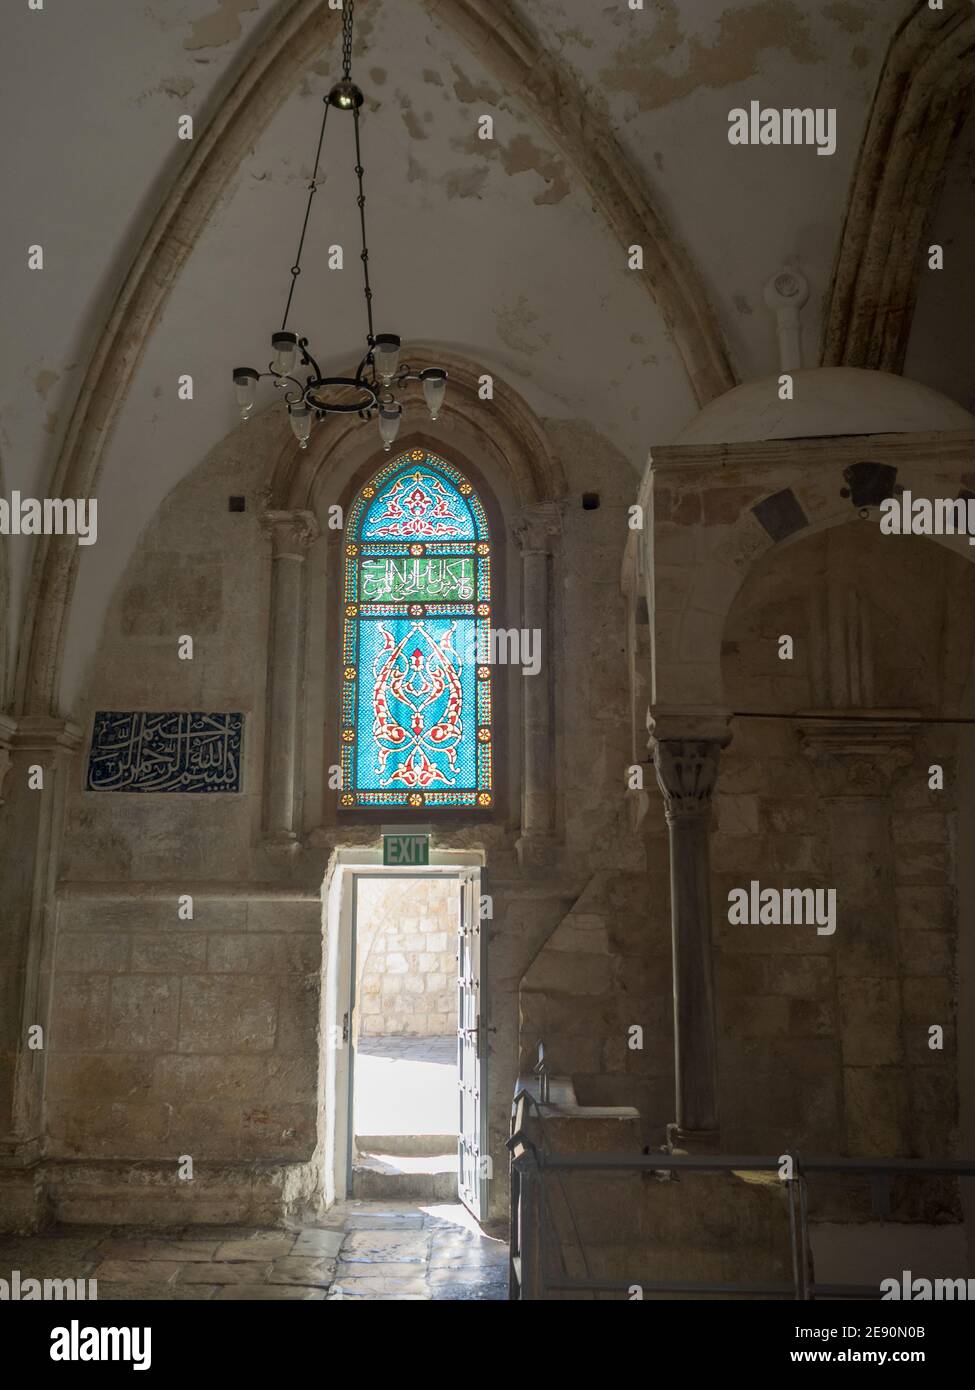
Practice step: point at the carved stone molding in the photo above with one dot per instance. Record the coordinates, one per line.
(859, 754)
(537, 530)
(290, 531)
(922, 97)
(42, 734)
(7, 729)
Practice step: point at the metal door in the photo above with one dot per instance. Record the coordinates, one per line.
(473, 1161)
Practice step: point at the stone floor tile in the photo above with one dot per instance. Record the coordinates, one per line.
(464, 1240)
(468, 1292)
(375, 1206)
(351, 1269)
(380, 1288)
(49, 1267)
(361, 1249)
(318, 1244)
(156, 1293)
(268, 1291)
(268, 1245)
(219, 1233)
(469, 1257)
(16, 1250)
(384, 1221)
(142, 1249)
(245, 1272)
(409, 1246)
(489, 1265)
(136, 1271)
(295, 1269)
(468, 1274)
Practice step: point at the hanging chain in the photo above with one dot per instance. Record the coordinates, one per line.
(348, 13)
(312, 190)
(361, 202)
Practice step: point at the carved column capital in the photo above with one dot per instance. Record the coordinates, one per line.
(685, 746)
(687, 770)
(290, 532)
(856, 755)
(537, 529)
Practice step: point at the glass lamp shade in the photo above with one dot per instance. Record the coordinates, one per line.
(245, 387)
(284, 349)
(434, 389)
(389, 422)
(300, 418)
(386, 356)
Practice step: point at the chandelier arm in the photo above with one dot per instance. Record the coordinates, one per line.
(276, 377)
(312, 190)
(360, 370)
(308, 360)
(361, 201)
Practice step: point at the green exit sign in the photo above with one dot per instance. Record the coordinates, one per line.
(410, 849)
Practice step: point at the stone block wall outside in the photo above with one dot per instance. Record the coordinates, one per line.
(406, 941)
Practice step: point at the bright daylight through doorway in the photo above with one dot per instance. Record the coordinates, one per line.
(405, 1081)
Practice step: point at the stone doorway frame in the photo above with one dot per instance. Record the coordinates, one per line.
(338, 964)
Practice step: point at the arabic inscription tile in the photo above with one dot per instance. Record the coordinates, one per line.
(145, 751)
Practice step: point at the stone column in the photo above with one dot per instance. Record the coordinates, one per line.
(38, 750)
(538, 531)
(290, 534)
(685, 758)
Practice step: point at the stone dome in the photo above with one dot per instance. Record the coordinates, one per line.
(828, 401)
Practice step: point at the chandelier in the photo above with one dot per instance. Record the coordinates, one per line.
(380, 372)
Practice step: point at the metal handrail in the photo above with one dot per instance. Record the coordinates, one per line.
(530, 1163)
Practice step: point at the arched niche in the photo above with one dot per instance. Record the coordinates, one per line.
(498, 444)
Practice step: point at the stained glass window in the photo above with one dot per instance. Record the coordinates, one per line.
(416, 683)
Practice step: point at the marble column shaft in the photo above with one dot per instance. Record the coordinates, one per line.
(537, 532)
(290, 533)
(686, 771)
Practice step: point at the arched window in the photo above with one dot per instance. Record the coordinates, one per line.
(416, 683)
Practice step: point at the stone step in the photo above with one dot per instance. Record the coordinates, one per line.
(407, 1145)
(425, 1178)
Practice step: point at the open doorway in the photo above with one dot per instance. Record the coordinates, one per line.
(405, 1030)
(405, 1114)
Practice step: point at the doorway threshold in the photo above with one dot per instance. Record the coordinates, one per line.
(428, 1177)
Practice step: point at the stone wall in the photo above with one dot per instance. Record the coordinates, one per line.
(204, 1037)
(406, 943)
(604, 973)
(825, 1038)
(194, 1038)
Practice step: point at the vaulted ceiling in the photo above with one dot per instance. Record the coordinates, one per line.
(610, 128)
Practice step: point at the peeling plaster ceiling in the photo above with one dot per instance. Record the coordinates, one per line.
(493, 249)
